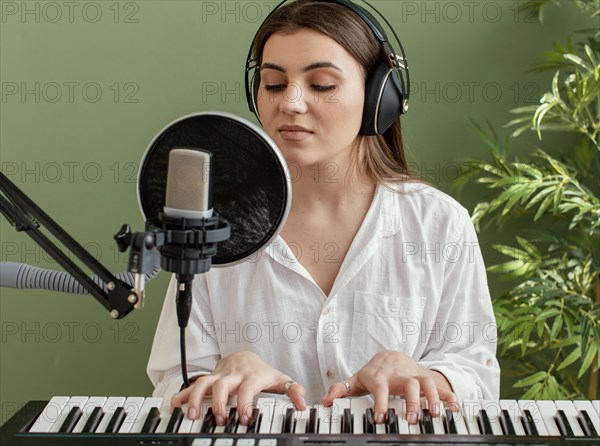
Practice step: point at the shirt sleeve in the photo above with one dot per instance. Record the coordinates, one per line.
(462, 343)
(202, 349)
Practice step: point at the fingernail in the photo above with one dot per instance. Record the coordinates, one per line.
(244, 420)
(379, 418)
(412, 418)
(220, 420)
(192, 413)
(303, 402)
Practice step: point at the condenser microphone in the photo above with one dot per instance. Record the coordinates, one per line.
(191, 226)
(188, 224)
(189, 184)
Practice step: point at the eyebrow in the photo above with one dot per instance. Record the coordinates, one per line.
(312, 66)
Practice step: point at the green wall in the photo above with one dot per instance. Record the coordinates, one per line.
(86, 86)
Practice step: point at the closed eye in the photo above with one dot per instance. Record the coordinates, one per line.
(321, 88)
(274, 87)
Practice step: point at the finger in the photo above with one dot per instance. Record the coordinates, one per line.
(198, 392)
(245, 402)
(181, 398)
(296, 394)
(221, 390)
(412, 392)
(337, 390)
(429, 390)
(450, 398)
(381, 395)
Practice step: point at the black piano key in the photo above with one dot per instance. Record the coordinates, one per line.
(93, 421)
(391, 422)
(369, 422)
(174, 421)
(347, 422)
(209, 422)
(586, 424)
(71, 420)
(484, 423)
(563, 424)
(506, 423)
(151, 421)
(313, 421)
(232, 421)
(529, 424)
(426, 422)
(254, 421)
(449, 424)
(288, 421)
(116, 420)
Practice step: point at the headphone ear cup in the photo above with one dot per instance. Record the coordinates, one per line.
(254, 92)
(383, 100)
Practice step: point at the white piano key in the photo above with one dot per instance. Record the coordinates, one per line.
(359, 407)
(547, 411)
(301, 421)
(75, 401)
(512, 407)
(469, 411)
(196, 425)
(112, 404)
(337, 414)
(142, 415)
(596, 404)
(493, 411)
(399, 407)
(186, 424)
(589, 408)
(165, 416)
(460, 423)
(324, 415)
(533, 408)
(49, 414)
(437, 421)
(571, 412)
(267, 409)
(132, 407)
(279, 415)
(92, 403)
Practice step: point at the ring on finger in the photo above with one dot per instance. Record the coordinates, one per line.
(287, 385)
(348, 388)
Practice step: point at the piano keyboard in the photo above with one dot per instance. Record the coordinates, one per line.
(274, 422)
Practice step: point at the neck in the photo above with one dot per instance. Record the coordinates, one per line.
(330, 186)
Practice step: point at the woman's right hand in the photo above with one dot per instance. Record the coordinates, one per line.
(243, 374)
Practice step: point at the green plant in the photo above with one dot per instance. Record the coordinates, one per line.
(549, 319)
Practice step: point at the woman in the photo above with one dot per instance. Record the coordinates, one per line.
(376, 284)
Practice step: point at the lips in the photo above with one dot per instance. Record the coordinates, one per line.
(294, 133)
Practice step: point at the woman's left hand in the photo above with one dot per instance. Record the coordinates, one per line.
(394, 373)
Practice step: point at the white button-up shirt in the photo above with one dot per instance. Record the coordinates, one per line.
(413, 281)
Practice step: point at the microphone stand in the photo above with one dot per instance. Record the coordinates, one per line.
(186, 247)
(118, 297)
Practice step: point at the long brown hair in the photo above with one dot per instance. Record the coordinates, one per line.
(381, 159)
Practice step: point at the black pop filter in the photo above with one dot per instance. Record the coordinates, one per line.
(251, 183)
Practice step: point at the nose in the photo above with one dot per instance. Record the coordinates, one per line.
(293, 99)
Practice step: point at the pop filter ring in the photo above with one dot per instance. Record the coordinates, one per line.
(274, 178)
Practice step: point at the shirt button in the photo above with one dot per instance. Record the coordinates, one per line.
(330, 373)
(326, 311)
(489, 362)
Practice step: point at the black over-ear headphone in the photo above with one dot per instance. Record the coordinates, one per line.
(387, 93)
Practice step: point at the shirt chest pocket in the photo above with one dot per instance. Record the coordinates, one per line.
(383, 323)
